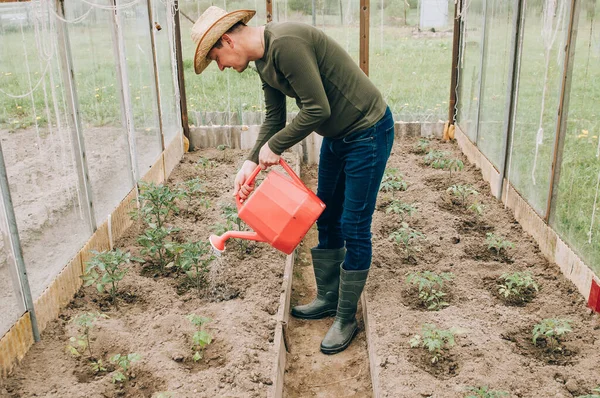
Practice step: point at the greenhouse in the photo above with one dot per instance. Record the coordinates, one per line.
(120, 156)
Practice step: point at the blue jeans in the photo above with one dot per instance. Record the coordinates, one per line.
(350, 172)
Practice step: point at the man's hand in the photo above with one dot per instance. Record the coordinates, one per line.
(239, 185)
(266, 157)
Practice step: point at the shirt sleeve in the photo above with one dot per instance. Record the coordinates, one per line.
(296, 60)
(275, 106)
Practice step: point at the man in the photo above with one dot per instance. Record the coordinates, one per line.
(336, 100)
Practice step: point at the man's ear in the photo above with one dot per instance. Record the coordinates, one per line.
(227, 39)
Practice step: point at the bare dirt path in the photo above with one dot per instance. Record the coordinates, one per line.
(309, 373)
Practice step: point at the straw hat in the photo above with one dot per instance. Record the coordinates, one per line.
(209, 28)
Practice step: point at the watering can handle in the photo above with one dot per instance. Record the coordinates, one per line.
(257, 170)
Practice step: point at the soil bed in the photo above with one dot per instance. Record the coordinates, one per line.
(241, 298)
(494, 345)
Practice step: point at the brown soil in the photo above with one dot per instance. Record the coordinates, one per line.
(308, 371)
(242, 299)
(494, 345)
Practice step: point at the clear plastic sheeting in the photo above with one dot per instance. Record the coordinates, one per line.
(576, 207)
(215, 97)
(98, 90)
(164, 39)
(142, 83)
(469, 80)
(11, 299)
(410, 56)
(38, 145)
(541, 68)
(496, 72)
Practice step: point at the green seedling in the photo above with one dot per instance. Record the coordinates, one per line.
(205, 164)
(461, 192)
(190, 189)
(123, 361)
(157, 203)
(106, 270)
(435, 158)
(497, 243)
(201, 338)
(436, 341)
(552, 331)
(224, 148)
(97, 366)
(515, 286)
(484, 392)
(430, 287)
(194, 261)
(157, 246)
(453, 164)
(406, 237)
(421, 146)
(392, 181)
(595, 390)
(85, 323)
(231, 217)
(477, 209)
(401, 209)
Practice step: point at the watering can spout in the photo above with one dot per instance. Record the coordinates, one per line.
(218, 242)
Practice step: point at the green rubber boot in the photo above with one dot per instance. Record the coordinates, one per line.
(344, 327)
(326, 263)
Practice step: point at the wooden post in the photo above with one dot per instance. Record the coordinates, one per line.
(563, 107)
(155, 70)
(455, 56)
(364, 36)
(269, 10)
(180, 76)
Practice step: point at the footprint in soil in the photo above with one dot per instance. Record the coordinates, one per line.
(479, 252)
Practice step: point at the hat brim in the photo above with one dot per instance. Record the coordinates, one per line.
(214, 33)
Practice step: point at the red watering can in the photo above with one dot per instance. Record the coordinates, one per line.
(280, 211)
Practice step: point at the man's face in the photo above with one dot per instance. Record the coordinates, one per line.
(229, 55)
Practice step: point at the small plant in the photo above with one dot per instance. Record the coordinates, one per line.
(392, 181)
(155, 244)
(516, 286)
(401, 209)
(201, 337)
(106, 269)
(421, 146)
(97, 366)
(405, 236)
(436, 341)
(453, 164)
(231, 217)
(205, 164)
(461, 192)
(497, 243)
(435, 158)
(430, 287)
(194, 261)
(80, 343)
(484, 392)
(191, 188)
(595, 390)
(477, 208)
(552, 331)
(224, 148)
(123, 361)
(157, 203)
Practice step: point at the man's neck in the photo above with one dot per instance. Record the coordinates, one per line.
(255, 42)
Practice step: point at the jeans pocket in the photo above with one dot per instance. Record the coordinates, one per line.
(360, 136)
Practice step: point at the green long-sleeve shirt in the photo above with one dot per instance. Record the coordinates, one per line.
(335, 97)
